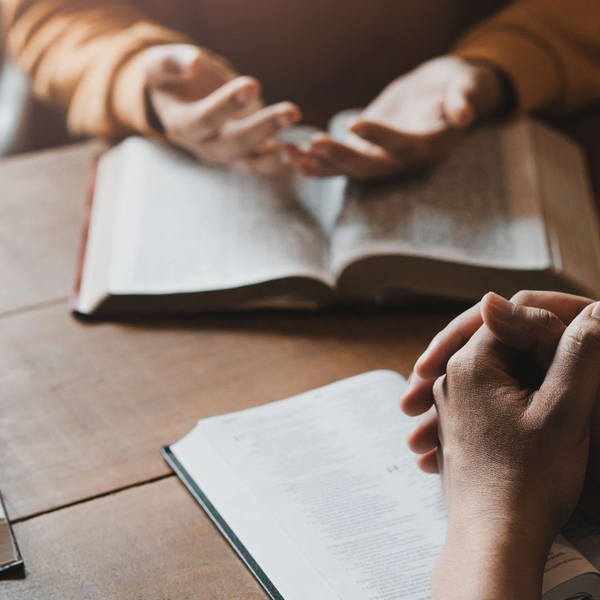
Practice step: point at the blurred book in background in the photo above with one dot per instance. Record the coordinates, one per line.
(511, 208)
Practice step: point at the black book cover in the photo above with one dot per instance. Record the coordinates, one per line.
(221, 524)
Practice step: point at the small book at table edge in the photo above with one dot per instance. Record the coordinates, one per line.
(18, 564)
(221, 524)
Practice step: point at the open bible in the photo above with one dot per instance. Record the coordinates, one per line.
(510, 208)
(321, 498)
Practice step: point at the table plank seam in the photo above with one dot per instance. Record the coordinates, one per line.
(114, 491)
(29, 308)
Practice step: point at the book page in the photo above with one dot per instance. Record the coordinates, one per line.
(323, 198)
(184, 227)
(568, 574)
(480, 206)
(324, 494)
(570, 212)
(583, 531)
(331, 469)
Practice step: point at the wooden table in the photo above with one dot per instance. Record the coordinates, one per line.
(84, 408)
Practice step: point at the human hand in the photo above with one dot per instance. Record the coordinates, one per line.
(537, 321)
(413, 123)
(204, 107)
(512, 458)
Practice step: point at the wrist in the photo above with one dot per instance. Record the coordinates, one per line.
(496, 96)
(491, 561)
(152, 114)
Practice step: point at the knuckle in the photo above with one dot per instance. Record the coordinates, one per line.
(545, 318)
(584, 342)
(523, 297)
(456, 364)
(552, 322)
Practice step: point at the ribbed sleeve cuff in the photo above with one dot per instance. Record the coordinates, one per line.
(111, 98)
(129, 97)
(528, 61)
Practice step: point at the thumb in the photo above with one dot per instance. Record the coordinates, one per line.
(573, 378)
(458, 108)
(533, 330)
(172, 64)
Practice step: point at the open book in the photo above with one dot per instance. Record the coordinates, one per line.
(509, 209)
(321, 498)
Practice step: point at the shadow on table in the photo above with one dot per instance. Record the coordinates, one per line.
(348, 324)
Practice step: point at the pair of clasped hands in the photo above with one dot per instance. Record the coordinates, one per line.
(203, 106)
(509, 398)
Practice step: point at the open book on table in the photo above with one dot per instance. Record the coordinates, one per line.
(321, 498)
(509, 209)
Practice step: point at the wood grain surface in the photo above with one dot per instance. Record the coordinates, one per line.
(84, 408)
(42, 197)
(152, 542)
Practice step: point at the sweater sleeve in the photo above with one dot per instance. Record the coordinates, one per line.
(549, 50)
(86, 56)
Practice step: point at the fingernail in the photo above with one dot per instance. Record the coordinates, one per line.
(596, 310)
(503, 308)
(242, 97)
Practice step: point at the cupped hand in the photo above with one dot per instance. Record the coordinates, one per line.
(204, 107)
(413, 123)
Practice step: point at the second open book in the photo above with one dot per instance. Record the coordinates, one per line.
(321, 498)
(509, 209)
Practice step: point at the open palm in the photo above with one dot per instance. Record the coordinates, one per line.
(414, 122)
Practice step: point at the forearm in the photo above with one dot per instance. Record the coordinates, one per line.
(483, 564)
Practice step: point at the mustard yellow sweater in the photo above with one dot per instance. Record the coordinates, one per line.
(86, 55)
